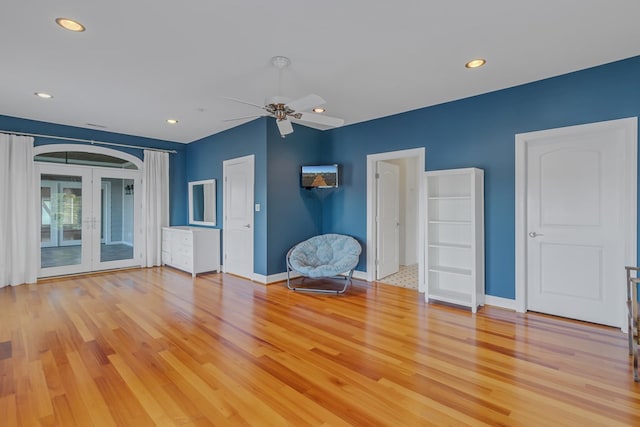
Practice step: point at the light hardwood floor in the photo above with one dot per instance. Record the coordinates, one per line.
(152, 346)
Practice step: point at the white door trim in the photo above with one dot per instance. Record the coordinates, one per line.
(630, 127)
(105, 218)
(418, 154)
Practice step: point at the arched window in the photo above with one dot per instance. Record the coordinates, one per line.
(87, 155)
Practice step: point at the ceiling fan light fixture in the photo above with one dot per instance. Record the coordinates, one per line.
(70, 24)
(475, 63)
(280, 62)
(319, 110)
(43, 95)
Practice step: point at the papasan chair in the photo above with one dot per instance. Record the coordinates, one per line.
(324, 256)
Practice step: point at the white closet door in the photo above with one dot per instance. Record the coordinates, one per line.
(575, 236)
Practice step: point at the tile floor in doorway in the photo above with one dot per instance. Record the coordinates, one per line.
(407, 277)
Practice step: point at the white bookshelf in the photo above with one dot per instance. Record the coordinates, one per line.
(455, 237)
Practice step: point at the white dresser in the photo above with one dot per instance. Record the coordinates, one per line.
(191, 249)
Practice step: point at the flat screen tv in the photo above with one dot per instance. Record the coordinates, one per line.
(324, 176)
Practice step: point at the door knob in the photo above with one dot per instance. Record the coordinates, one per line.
(534, 234)
(247, 226)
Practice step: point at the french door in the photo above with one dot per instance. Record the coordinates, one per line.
(90, 219)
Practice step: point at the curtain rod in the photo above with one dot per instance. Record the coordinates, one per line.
(91, 141)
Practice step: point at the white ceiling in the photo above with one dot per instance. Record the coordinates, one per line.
(141, 62)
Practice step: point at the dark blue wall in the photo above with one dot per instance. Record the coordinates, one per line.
(287, 214)
(204, 161)
(473, 132)
(293, 214)
(480, 132)
(177, 162)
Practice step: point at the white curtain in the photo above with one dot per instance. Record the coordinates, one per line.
(19, 211)
(156, 204)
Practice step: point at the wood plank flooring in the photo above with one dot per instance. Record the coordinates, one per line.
(155, 347)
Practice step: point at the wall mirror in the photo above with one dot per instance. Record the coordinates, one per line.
(202, 202)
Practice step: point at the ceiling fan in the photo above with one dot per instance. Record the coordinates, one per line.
(285, 110)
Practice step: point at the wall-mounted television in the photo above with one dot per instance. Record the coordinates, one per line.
(323, 176)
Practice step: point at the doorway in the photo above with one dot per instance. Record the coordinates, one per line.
(382, 250)
(238, 235)
(576, 220)
(88, 214)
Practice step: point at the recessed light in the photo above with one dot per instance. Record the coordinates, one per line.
(70, 24)
(43, 95)
(172, 121)
(475, 63)
(319, 110)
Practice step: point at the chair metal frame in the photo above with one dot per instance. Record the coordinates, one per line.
(347, 279)
(633, 317)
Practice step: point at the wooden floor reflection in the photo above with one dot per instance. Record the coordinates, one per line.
(155, 347)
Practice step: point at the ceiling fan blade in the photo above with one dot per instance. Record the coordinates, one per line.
(244, 117)
(244, 102)
(285, 127)
(321, 119)
(306, 103)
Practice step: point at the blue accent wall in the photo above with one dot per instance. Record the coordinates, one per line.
(204, 161)
(473, 132)
(480, 132)
(287, 214)
(177, 162)
(294, 213)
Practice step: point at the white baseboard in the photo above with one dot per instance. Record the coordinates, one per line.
(509, 304)
(272, 278)
(260, 278)
(360, 275)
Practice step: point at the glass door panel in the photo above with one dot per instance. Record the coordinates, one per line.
(70, 213)
(63, 248)
(115, 213)
(48, 236)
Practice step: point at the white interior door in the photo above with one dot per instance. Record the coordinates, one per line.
(575, 242)
(388, 219)
(238, 216)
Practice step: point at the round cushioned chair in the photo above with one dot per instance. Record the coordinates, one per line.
(324, 256)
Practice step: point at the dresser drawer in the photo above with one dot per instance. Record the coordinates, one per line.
(182, 262)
